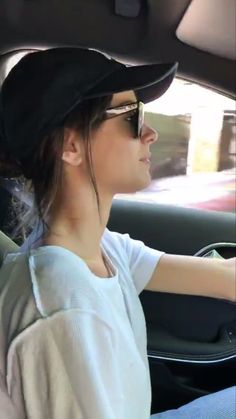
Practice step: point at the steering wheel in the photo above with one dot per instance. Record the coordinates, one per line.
(225, 249)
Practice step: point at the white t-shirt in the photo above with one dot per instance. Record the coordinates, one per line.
(73, 345)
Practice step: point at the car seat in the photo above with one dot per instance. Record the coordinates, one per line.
(6, 246)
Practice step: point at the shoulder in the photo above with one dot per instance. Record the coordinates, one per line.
(125, 245)
(61, 280)
(115, 241)
(136, 257)
(37, 283)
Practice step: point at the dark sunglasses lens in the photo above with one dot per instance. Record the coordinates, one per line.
(133, 120)
(140, 118)
(137, 120)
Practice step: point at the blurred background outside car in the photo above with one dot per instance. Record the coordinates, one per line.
(193, 163)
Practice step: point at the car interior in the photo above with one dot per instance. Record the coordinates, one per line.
(191, 339)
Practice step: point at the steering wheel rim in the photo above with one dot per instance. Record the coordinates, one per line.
(214, 246)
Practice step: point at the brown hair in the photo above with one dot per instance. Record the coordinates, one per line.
(41, 176)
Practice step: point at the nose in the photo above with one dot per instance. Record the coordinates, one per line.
(148, 134)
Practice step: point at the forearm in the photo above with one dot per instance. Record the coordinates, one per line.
(195, 276)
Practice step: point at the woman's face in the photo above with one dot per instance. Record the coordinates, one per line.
(117, 155)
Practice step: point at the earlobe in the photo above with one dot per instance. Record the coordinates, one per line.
(71, 148)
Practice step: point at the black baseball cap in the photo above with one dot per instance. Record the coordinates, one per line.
(44, 86)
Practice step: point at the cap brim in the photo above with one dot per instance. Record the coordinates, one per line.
(148, 81)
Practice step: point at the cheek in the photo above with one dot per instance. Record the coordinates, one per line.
(109, 162)
(116, 160)
(110, 150)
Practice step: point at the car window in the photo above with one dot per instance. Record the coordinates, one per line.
(193, 162)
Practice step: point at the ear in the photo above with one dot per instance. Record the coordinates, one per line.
(72, 153)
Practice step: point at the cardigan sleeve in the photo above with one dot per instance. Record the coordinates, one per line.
(64, 366)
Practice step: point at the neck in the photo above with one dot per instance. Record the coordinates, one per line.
(78, 226)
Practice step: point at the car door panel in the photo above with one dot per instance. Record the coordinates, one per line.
(172, 229)
(191, 339)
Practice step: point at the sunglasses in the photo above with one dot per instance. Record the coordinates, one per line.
(135, 116)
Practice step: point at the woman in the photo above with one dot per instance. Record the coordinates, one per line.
(73, 335)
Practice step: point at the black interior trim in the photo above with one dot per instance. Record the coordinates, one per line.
(149, 37)
(169, 228)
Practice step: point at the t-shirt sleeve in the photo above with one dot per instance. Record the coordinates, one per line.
(142, 261)
(64, 366)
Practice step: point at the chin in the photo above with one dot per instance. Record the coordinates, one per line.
(134, 185)
(144, 183)
(137, 186)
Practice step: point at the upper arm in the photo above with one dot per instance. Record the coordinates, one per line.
(142, 261)
(57, 366)
(8, 409)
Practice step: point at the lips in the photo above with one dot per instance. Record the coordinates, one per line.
(146, 159)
